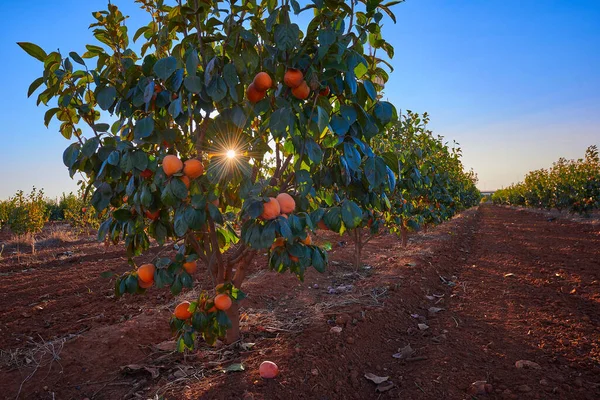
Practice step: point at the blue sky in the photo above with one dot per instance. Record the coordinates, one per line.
(515, 82)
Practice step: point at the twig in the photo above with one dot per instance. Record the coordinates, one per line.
(420, 388)
(102, 388)
(455, 321)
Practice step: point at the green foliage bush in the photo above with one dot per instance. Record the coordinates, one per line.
(28, 215)
(572, 185)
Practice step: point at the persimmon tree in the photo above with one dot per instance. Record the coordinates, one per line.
(6, 208)
(572, 185)
(417, 180)
(254, 104)
(78, 211)
(28, 214)
(432, 183)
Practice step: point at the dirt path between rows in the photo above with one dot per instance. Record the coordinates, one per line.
(515, 286)
(471, 298)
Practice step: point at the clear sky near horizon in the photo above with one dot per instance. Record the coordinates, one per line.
(515, 82)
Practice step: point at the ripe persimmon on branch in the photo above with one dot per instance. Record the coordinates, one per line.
(266, 107)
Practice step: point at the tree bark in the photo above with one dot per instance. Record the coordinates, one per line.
(357, 249)
(404, 234)
(233, 333)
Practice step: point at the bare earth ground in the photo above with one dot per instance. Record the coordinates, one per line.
(505, 285)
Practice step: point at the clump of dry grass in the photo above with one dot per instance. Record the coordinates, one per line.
(19, 240)
(37, 355)
(56, 236)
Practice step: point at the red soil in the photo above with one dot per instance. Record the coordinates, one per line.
(517, 287)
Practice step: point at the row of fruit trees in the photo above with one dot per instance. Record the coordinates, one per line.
(26, 214)
(230, 131)
(572, 185)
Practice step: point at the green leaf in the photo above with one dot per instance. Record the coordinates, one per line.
(175, 107)
(90, 146)
(176, 286)
(391, 160)
(71, 154)
(103, 230)
(238, 117)
(122, 215)
(351, 214)
(318, 260)
(322, 119)
(107, 274)
(144, 127)
(350, 79)
(286, 36)
(217, 89)
(375, 171)
(314, 152)
(370, 89)
(76, 58)
(231, 79)
(352, 156)
(180, 225)
(34, 85)
(304, 182)
(165, 67)
(254, 208)
(194, 218)
(160, 233)
(333, 219)
(140, 32)
(140, 160)
(280, 121)
(102, 127)
(193, 83)
(384, 111)
(214, 213)
(106, 97)
(191, 62)
(178, 188)
(223, 320)
(173, 83)
(339, 125)
(33, 50)
(149, 92)
(326, 37)
(49, 114)
(348, 113)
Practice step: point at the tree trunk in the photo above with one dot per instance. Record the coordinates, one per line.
(357, 249)
(404, 234)
(233, 333)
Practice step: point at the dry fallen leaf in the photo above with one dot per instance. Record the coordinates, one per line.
(404, 352)
(384, 387)
(527, 364)
(376, 379)
(234, 368)
(135, 368)
(247, 346)
(423, 326)
(168, 345)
